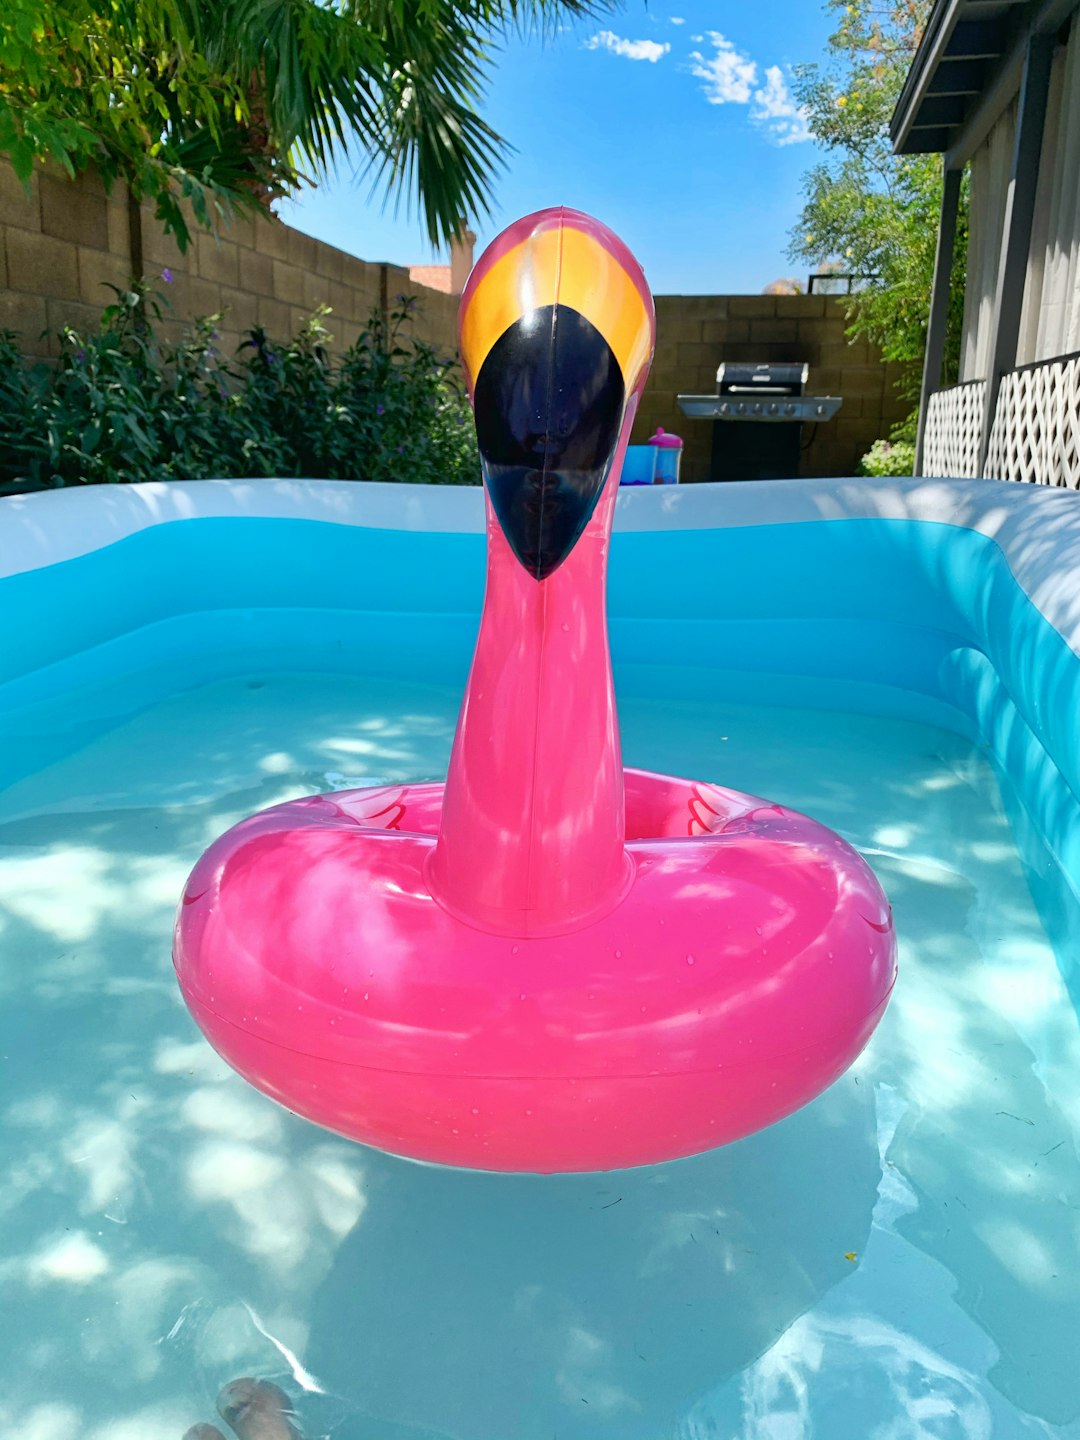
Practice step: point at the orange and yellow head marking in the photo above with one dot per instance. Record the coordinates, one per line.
(559, 258)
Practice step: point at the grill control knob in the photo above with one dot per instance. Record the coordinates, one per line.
(789, 409)
(774, 409)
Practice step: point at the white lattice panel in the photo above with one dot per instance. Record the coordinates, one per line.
(953, 430)
(1036, 431)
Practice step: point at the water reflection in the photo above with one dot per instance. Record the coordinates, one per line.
(154, 1208)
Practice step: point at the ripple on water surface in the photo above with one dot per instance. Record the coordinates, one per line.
(901, 1258)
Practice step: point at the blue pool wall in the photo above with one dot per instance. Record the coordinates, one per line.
(952, 602)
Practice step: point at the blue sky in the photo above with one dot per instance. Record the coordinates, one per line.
(673, 124)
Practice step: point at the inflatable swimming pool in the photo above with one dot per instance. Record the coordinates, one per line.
(956, 602)
(923, 1253)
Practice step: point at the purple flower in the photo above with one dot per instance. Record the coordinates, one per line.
(80, 356)
(401, 449)
(380, 409)
(166, 275)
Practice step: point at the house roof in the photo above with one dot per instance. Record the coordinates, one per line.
(966, 70)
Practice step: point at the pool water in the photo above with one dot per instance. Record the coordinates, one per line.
(899, 1259)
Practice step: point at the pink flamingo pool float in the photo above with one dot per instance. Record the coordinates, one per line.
(549, 963)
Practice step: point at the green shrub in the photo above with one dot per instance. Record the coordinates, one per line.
(122, 405)
(21, 438)
(888, 457)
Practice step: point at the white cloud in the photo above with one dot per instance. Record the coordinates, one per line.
(731, 78)
(650, 50)
(775, 109)
(676, 20)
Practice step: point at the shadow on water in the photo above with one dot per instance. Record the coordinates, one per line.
(487, 1306)
(163, 1228)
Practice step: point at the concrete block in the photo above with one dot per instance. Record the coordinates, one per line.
(752, 307)
(785, 353)
(172, 331)
(160, 251)
(18, 206)
(348, 332)
(748, 352)
(360, 273)
(256, 272)
(696, 356)
(71, 211)
(62, 314)
(204, 297)
(844, 357)
(767, 332)
(288, 283)
(240, 229)
(701, 307)
(241, 308)
(328, 261)
(273, 316)
(316, 289)
(799, 307)
(343, 298)
(735, 332)
(27, 316)
(217, 259)
(42, 265)
(97, 271)
(399, 281)
(677, 332)
(116, 221)
(300, 249)
(823, 381)
(175, 296)
(861, 380)
(856, 430)
(832, 331)
(270, 237)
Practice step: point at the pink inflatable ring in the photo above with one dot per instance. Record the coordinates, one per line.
(549, 963)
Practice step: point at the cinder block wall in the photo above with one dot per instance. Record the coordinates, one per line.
(695, 332)
(60, 245)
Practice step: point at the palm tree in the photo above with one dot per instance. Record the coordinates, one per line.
(229, 104)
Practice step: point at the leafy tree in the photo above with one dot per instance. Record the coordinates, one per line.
(868, 211)
(226, 104)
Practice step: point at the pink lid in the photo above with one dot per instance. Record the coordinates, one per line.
(664, 440)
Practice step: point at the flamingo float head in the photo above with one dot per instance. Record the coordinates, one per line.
(557, 333)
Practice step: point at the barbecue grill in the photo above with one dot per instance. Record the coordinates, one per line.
(758, 413)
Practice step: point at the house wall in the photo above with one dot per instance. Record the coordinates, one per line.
(695, 332)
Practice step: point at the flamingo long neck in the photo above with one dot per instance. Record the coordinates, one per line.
(533, 823)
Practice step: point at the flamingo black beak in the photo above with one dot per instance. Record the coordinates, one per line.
(549, 403)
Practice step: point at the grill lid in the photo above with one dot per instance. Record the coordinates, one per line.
(769, 378)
